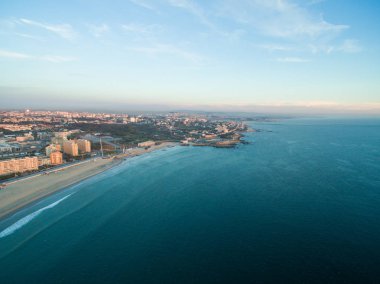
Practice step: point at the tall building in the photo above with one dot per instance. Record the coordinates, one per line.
(70, 147)
(18, 165)
(56, 158)
(84, 146)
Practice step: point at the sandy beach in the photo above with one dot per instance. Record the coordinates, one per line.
(20, 193)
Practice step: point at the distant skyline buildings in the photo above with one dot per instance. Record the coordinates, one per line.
(277, 56)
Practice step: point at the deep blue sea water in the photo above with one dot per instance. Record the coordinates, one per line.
(300, 204)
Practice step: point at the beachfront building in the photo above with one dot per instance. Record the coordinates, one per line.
(18, 165)
(56, 158)
(146, 144)
(52, 148)
(43, 161)
(84, 146)
(70, 147)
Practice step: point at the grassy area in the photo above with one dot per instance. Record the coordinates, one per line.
(129, 133)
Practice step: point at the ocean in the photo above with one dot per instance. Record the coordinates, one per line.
(299, 204)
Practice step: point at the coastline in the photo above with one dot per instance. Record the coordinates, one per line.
(25, 192)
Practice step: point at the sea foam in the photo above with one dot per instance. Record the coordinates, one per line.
(23, 221)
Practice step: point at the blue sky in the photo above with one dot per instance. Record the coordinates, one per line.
(221, 54)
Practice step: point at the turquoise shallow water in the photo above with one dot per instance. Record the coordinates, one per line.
(300, 204)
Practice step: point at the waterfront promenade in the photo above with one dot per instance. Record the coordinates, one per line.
(21, 192)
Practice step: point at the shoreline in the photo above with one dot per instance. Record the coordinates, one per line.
(26, 192)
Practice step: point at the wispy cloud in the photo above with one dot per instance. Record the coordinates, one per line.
(13, 55)
(292, 60)
(276, 47)
(142, 33)
(24, 56)
(65, 31)
(142, 29)
(350, 46)
(29, 36)
(295, 27)
(192, 8)
(314, 2)
(56, 58)
(347, 46)
(98, 30)
(143, 4)
(283, 19)
(168, 49)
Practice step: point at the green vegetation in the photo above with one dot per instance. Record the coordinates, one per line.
(129, 133)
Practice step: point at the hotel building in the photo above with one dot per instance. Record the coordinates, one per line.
(84, 146)
(18, 165)
(52, 148)
(56, 158)
(70, 147)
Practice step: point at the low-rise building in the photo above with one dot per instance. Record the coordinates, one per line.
(56, 158)
(52, 148)
(146, 144)
(18, 165)
(43, 161)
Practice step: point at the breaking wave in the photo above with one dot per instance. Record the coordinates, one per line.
(23, 221)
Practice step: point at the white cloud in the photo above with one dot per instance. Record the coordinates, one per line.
(292, 60)
(56, 58)
(347, 46)
(63, 30)
(13, 55)
(143, 33)
(276, 47)
(350, 46)
(143, 4)
(314, 2)
(141, 29)
(98, 31)
(23, 56)
(294, 27)
(158, 49)
(280, 18)
(29, 36)
(193, 9)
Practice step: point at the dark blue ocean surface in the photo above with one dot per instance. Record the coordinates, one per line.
(300, 204)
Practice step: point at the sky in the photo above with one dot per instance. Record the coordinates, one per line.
(268, 55)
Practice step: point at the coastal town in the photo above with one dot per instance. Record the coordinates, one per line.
(33, 141)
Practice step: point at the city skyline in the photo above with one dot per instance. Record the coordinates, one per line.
(275, 56)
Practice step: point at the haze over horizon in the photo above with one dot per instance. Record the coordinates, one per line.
(285, 56)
